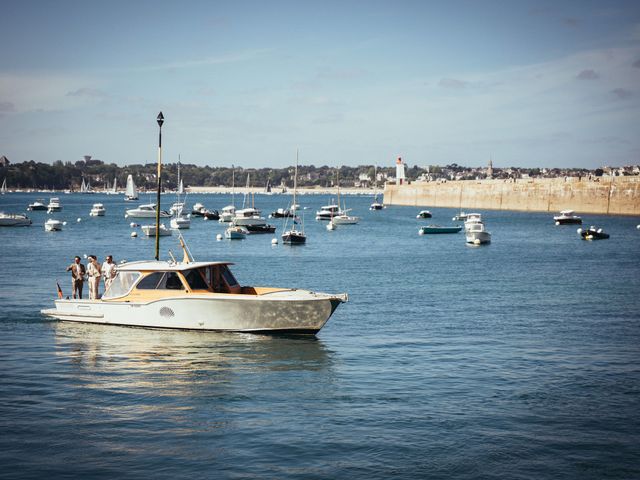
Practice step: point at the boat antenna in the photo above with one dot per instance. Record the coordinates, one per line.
(160, 120)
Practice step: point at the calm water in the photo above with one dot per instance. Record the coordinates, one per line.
(515, 360)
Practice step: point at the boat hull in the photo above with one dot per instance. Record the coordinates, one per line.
(287, 311)
(293, 238)
(440, 230)
(478, 237)
(568, 221)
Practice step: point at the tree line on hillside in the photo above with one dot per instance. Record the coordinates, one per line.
(67, 175)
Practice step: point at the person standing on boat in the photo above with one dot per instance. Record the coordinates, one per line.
(94, 272)
(108, 272)
(77, 276)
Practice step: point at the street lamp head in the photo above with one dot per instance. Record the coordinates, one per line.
(160, 119)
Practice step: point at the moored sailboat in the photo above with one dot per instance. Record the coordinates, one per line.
(293, 236)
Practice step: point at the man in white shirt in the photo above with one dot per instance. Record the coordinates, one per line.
(108, 272)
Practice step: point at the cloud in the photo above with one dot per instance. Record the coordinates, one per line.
(452, 83)
(7, 107)
(587, 75)
(621, 93)
(87, 92)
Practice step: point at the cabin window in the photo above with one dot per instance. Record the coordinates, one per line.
(150, 282)
(196, 280)
(228, 276)
(121, 284)
(161, 281)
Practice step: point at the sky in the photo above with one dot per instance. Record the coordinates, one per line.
(525, 83)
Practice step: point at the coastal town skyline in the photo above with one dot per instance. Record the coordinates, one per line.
(531, 85)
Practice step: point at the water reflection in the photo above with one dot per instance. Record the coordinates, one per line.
(105, 347)
(128, 356)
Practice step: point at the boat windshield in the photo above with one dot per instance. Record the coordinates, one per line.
(121, 284)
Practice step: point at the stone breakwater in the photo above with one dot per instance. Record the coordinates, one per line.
(604, 195)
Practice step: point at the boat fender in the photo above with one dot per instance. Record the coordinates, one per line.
(599, 230)
(557, 223)
(420, 232)
(579, 231)
(64, 223)
(79, 220)
(274, 241)
(205, 218)
(126, 215)
(219, 237)
(134, 234)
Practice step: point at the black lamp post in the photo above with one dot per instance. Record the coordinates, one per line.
(160, 122)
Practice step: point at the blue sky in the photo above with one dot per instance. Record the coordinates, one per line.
(353, 82)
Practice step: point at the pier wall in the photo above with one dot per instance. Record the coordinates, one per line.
(604, 195)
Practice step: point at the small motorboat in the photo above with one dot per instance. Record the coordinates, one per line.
(37, 205)
(150, 230)
(327, 212)
(14, 220)
(54, 205)
(283, 213)
(180, 222)
(476, 234)
(461, 217)
(424, 214)
(436, 229)
(199, 210)
(52, 225)
(567, 217)
(146, 211)
(376, 206)
(235, 233)
(593, 233)
(227, 214)
(97, 210)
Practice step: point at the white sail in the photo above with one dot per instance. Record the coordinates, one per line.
(131, 191)
(115, 186)
(3, 190)
(180, 188)
(83, 187)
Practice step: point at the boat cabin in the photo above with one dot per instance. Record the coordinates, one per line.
(144, 281)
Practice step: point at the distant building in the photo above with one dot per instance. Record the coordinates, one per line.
(400, 172)
(490, 169)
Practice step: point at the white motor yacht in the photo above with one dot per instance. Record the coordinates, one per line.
(177, 208)
(472, 219)
(52, 225)
(477, 234)
(250, 219)
(146, 211)
(567, 217)
(327, 212)
(199, 296)
(97, 210)
(37, 205)
(14, 220)
(54, 205)
(227, 214)
(180, 222)
(150, 230)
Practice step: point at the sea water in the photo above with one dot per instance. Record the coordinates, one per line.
(518, 359)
